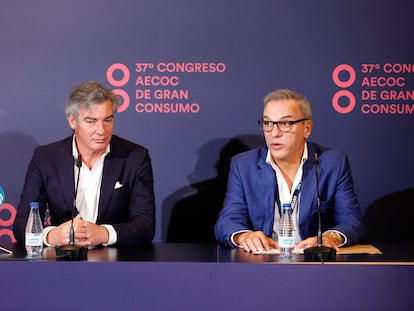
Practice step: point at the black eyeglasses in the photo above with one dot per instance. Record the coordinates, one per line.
(283, 126)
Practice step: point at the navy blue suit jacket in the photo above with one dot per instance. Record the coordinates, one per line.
(130, 209)
(252, 191)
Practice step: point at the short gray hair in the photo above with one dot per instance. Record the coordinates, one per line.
(283, 94)
(87, 94)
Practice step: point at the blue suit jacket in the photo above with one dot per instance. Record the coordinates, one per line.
(252, 191)
(130, 209)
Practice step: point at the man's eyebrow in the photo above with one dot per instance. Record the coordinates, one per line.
(89, 118)
(95, 119)
(283, 118)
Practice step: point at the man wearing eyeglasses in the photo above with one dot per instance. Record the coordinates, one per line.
(263, 179)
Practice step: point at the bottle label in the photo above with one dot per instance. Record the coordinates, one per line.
(34, 239)
(285, 241)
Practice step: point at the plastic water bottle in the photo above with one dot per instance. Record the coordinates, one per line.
(34, 231)
(286, 238)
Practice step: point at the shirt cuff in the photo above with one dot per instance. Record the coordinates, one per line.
(46, 231)
(112, 235)
(237, 232)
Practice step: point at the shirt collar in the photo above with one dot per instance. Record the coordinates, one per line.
(75, 152)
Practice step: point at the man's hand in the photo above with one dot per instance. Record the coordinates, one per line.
(60, 235)
(327, 240)
(254, 241)
(86, 233)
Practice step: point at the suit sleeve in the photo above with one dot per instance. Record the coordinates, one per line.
(32, 191)
(234, 215)
(347, 214)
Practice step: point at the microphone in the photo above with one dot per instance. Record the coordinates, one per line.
(319, 252)
(72, 252)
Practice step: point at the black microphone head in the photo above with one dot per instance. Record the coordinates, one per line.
(79, 161)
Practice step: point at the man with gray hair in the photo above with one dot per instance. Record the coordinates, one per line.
(115, 196)
(264, 179)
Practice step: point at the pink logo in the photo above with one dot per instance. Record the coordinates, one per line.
(7, 222)
(118, 67)
(350, 72)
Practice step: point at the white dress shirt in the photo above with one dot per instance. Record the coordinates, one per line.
(286, 195)
(87, 199)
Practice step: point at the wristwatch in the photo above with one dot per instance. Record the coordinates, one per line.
(336, 236)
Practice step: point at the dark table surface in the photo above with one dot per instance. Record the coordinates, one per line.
(187, 252)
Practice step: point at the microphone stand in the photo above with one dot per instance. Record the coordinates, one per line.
(319, 253)
(72, 252)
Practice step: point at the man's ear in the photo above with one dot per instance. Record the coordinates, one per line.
(71, 122)
(308, 128)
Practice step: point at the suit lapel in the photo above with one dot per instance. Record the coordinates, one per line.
(111, 173)
(266, 185)
(308, 194)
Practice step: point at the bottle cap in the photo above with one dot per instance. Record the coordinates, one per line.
(34, 204)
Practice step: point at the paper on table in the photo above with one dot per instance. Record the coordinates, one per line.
(276, 251)
(354, 249)
(360, 249)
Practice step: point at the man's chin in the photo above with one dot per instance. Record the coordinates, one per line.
(100, 146)
(277, 155)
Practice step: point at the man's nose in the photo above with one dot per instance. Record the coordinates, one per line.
(100, 127)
